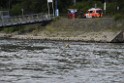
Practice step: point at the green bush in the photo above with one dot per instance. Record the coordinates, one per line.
(118, 17)
(16, 9)
(9, 29)
(19, 29)
(111, 8)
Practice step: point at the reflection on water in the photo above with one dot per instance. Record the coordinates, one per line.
(36, 61)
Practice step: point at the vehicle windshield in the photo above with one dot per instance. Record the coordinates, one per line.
(99, 11)
(90, 11)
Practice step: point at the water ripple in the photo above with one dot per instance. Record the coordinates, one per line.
(36, 61)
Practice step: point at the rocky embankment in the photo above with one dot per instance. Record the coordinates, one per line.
(87, 30)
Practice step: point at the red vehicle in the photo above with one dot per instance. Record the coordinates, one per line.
(72, 13)
(94, 13)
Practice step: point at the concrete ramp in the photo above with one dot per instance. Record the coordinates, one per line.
(119, 38)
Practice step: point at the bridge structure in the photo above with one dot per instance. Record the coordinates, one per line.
(25, 19)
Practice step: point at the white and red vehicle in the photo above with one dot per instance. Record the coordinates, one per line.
(94, 13)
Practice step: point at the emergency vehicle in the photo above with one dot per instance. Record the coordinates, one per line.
(94, 13)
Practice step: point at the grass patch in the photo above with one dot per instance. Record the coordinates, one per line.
(22, 29)
(74, 27)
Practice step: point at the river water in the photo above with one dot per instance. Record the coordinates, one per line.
(37, 61)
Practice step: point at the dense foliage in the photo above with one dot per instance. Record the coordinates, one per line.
(31, 6)
(35, 6)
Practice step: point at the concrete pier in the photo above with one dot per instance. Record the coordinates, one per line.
(119, 38)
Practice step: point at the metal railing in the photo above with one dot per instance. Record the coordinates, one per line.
(25, 19)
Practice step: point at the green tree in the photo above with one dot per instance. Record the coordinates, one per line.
(64, 4)
(3, 4)
(121, 5)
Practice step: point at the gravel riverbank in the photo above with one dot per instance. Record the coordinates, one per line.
(86, 37)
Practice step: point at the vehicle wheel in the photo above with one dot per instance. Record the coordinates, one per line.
(93, 16)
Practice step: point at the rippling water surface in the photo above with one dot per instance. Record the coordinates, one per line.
(36, 61)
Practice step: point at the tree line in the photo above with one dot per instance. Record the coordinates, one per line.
(31, 6)
(36, 6)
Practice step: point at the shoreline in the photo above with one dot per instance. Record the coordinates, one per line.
(102, 30)
(98, 38)
(59, 40)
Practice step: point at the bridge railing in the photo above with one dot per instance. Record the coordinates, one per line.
(16, 20)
